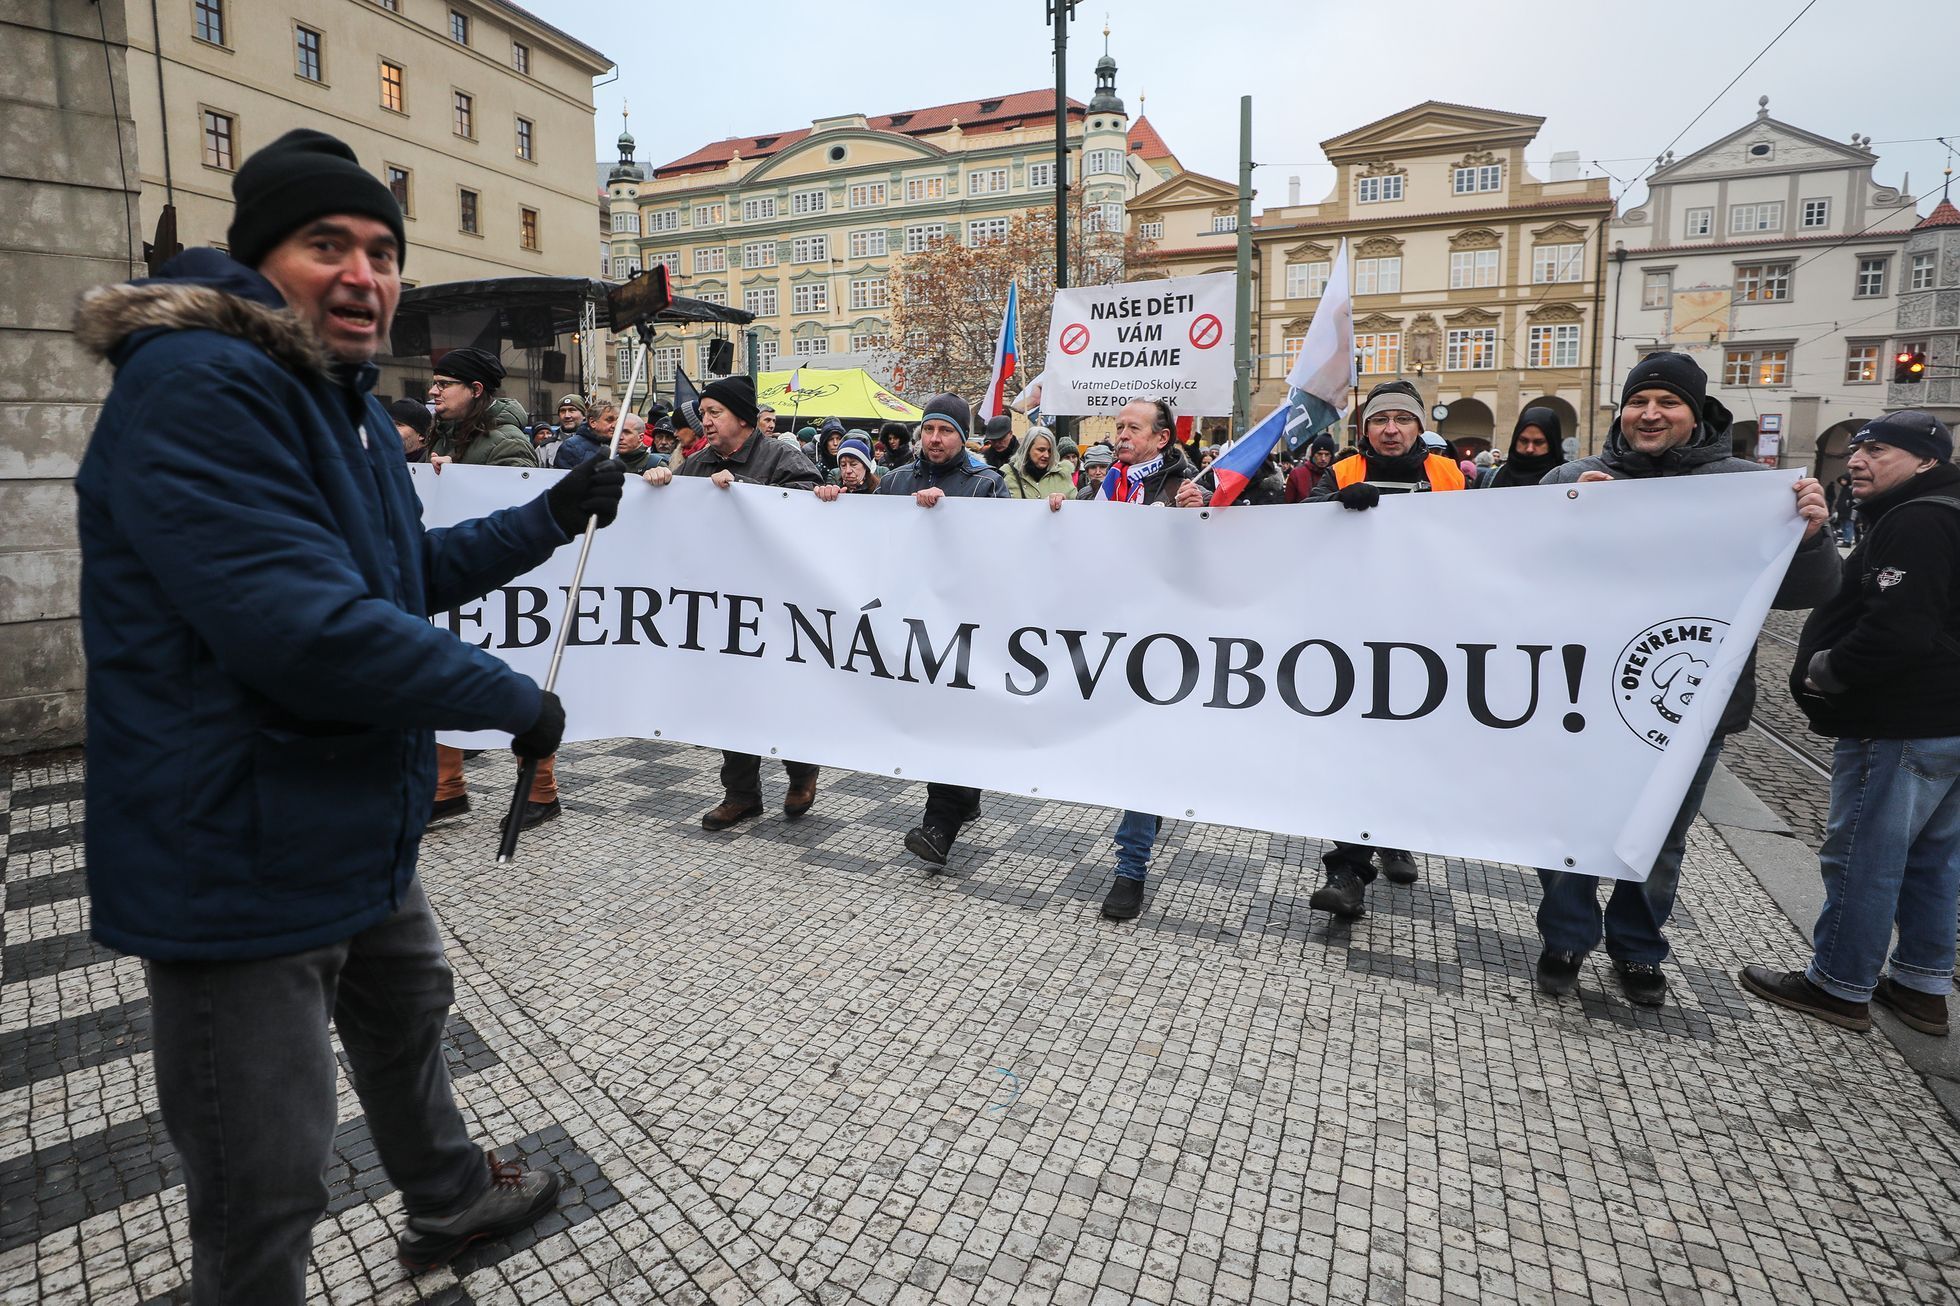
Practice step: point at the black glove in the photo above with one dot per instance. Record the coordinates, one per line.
(547, 732)
(1358, 497)
(591, 489)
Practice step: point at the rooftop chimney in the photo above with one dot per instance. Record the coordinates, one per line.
(1293, 191)
(1565, 166)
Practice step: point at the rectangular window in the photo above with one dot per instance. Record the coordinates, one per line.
(1224, 223)
(1292, 347)
(1816, 213)
(809, 249)
(398, 187)
(918, 189)
(392, 6)
(524, 131)
(1762, 282)
(669, 259)
(809, 201)
(1656, 289)
(1041, 176)
(623, 365)
(1306, 280)
(1100, 162)
(218, 140)
(1470, 268)
(1860, 364)
(809, 346)
(981, 230)
(754, 210)
(1756, 217)
(627, 266)
(466, 211)
(713, 297)
(1150, 231)
(459, 27)
(664, 360)
(306, 54)
(869, 292)
(1471, 181)
(1553, 263)
(708, 215)
(1378, 276)
(868, 194)
(209, 19)
(918, 238)
(761, 302)
(1871, 278)
(711, 258)
(704, 358)
(986, 181)
(1374, 190)
(393, 94)
(520, 57)
(1922, 273)
(810, 297)
(1470, 349)
(659, 220)
(870, 342)
(1552, 346)
(465, 115)
(1747, 367)
(759, 254)
(625, 222)
(1700, 222)
(527, 228)
(869, 244)
(765, 354)
(1381, 351)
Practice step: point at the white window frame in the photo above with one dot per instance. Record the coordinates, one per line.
(708, 215)
(1471, 268)
(1291, 347)
(1224, 224)
(662, 220)
(868, 194)
(1552, 264)
(1660, 280)
(712, 297)
(711, 258)
(873, 242)
(1861, 362)
(758, 208)
(1150, 231)
(870, 292)
(1380, 351)
(1762, 283)
(982, 231)
(1378, 190)
(987, 181)
(924, 190)
(1552, 345)
(1041, 176)
(922, 235)
(1378, 276)
(1814, 214)
(1871, 278)
(759, 254)
(663, 361)
(1477, 179)
(810, 297)
(1698, 222)
(1764, 215)
(869, 342)
(1924, 273)
(667, 258)
(1100, 163)
(1470, 349)
(625, 222)
(766, 352)
(1307, 280)
(760, 300)
(810, 249)
(803, 202)
(809, 346)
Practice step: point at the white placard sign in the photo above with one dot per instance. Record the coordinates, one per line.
(1169, 340)
(1549, 713)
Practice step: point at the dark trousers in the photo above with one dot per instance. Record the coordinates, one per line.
(245, 1077)
(948, 807)
(1356, 857)
(741, 775)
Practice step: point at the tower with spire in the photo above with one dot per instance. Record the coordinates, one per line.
(1104, 174)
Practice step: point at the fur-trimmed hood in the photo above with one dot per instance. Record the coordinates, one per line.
(199, 290)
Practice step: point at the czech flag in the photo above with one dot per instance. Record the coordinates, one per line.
(794, 386)
(1318, 389)
(1007, 354)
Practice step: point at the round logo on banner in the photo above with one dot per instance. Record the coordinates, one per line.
(1074, 339)
(1660, 672)
(1207, 331)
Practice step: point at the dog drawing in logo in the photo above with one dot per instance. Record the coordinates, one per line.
(1677, 677)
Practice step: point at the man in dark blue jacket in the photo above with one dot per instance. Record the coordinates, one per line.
(263, 681)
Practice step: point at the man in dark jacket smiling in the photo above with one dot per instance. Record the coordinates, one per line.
(262, 683)
(1878, 669)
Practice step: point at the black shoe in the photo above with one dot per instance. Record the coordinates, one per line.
(799, 798)
(515, 1198)
(1793, 989)
(535, 814)
(448, 809)
(1125, 900)
(1643, 982)
(1398, 867)
(929, 843)
(729, 813)
(1341, 895)
(1558, 972)
(1925, 1012)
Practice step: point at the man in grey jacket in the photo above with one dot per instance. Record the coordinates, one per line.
(1667, 426)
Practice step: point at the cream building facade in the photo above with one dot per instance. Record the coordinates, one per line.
(1472, 277)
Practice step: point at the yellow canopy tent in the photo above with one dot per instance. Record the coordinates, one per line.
(823, 392)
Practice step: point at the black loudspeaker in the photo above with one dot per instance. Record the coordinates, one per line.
(410, 337)
(721, 357)
(553, 365)
(530, 328)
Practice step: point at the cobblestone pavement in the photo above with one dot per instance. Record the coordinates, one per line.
(1794, 791)
(787, 1064)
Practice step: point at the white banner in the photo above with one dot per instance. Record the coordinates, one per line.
(1169, 340)
(1523, 675)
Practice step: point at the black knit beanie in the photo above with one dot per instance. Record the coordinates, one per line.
(472, 364)
(736, 394)
(1668, 371)
(412, 415)
(304, 175)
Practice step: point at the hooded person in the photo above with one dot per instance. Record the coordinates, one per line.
(894, 444)
(264, 681)
(474, 424)
(1537, 446)
(1393, 458)
(1039, 471)
(830, 437)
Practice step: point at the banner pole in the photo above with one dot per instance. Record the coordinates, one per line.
(528, 769)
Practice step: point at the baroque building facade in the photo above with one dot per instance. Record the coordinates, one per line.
(1929, 315)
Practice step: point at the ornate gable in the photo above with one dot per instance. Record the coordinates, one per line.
(1738, 152)
(1433, 127)
(1559, 233)
(1310, 252)
(1378, 247)
(1472, 317)
(1192, 188)
(1378, 322)
(1556, 313)
(1475, 238)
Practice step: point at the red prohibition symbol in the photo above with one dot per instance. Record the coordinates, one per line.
(1075, 338)
(1206, 331)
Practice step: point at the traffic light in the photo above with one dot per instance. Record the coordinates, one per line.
(1908, 365)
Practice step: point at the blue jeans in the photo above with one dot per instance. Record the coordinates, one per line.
(1136, 835)
(1891, 853)
(1569, 918)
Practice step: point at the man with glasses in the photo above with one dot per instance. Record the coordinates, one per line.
(474, 424)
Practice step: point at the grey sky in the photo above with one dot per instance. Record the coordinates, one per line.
(1616, 87)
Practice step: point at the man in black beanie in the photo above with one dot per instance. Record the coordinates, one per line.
(263, 687)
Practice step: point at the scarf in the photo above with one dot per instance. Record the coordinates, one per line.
(1125, 485)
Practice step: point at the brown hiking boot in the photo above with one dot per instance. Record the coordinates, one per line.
(731, 812)
(1925, 1012)
(1793, 989)
(797, 801)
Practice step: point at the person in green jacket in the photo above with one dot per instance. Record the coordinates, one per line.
(474, 425)
(1039, 471)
